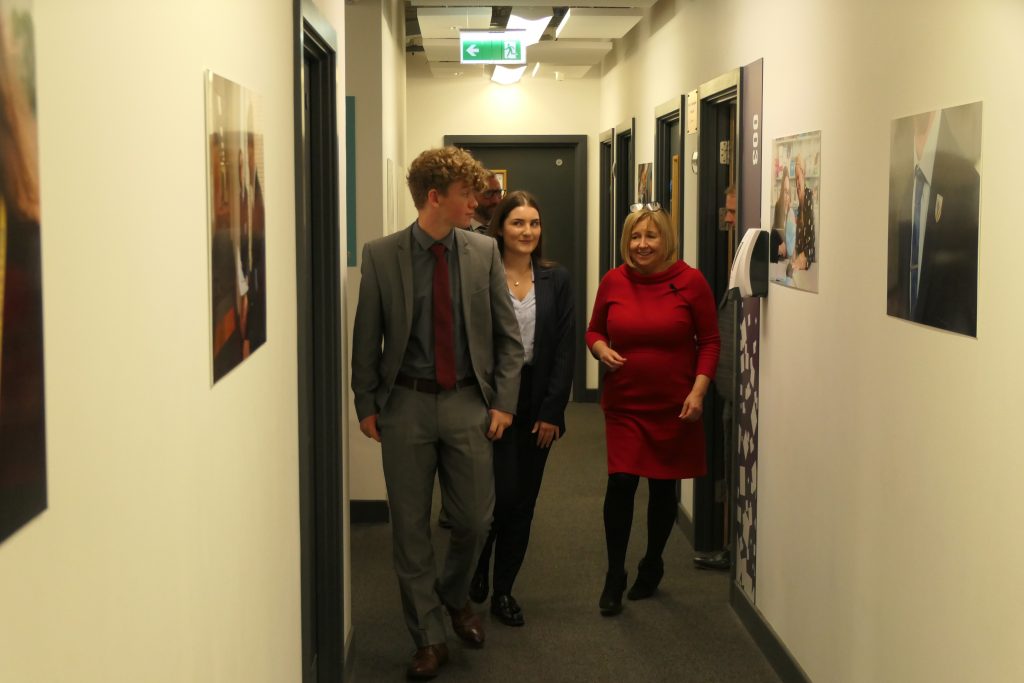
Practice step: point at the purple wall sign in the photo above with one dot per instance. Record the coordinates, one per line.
(745, 493)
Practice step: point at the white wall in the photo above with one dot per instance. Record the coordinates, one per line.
(170, 549)
(887, 478)
(376, 77)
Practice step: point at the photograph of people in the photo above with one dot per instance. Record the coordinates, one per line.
(654, 328)
(237, 225)
(541, 294)
(644, 179)
(796, 186)
(436, 360)
(934, 187)
(22, 404)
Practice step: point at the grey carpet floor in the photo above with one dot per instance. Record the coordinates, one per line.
(686, 632)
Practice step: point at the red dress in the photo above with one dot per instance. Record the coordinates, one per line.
(666, 327)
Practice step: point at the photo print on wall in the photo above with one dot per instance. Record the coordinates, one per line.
(22, 400)
(934, 190)
(237, 229)
(796, 196)
(644, 178)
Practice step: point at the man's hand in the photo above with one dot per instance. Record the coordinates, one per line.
(500, 421)
(546, 432)
(368, 426)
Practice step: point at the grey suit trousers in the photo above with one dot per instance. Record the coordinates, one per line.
(423, 435)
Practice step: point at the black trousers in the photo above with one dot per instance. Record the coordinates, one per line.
(518, 470)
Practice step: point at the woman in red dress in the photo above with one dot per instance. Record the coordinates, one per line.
(655, 329)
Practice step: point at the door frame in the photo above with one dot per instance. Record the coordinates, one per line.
(319, 348)
(711, 514)
(606, 201)
(578, 271)
(625, 179)
(665, 114)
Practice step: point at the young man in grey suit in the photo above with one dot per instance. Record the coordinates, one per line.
(436, 357)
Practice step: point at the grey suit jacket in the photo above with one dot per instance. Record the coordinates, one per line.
(384, 320)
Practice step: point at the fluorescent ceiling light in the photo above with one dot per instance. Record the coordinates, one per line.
(533, 21)
(536, 68)
(506, 76)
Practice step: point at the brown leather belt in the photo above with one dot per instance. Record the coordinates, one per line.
(429, 386)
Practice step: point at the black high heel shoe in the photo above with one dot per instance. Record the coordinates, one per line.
(611, 596)
(648, 576)
(507, 610)
(478, 588)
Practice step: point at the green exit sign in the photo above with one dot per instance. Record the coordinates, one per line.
(492, 47)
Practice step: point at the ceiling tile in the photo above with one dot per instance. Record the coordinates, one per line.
(442, 49)
(550, 71)
(590, 23)
(456, 70)
(569, 52)
(445, 22)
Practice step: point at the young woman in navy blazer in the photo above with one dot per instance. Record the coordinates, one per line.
(542, 296)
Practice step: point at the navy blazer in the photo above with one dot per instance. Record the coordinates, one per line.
(554, 345)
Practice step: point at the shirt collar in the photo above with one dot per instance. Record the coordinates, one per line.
(426, 241)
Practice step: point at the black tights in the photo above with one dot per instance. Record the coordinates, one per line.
(618, 517)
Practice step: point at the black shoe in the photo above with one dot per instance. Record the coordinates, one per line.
(648, 576)
(720, 561)
(507, 610)
(611, 596)
(478, 588)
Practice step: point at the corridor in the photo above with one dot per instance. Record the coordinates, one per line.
(687, 632)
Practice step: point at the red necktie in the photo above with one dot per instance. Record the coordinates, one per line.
(444, 344)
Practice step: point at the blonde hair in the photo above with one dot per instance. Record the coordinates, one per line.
(437, 169)
(659, 219)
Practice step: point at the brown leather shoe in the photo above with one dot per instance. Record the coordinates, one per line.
(467, 625)
(427, 661)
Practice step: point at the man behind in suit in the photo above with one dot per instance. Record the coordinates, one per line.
(487, 198)
(933, 225)
(436, 357)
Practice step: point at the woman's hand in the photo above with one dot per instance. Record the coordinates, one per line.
(546, 432)
(607, 355)
(693, 406)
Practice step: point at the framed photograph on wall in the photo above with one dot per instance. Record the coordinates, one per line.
(237, 223)
(644, 178)
(934, 191)
(22, 389)
(796, 198)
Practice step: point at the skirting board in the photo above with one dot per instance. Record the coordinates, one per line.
(685, 523)
(765, 637)
(369, 512)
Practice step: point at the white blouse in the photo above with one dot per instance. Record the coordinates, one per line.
(526, 314)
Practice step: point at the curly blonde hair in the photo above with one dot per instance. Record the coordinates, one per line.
(437, 169)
